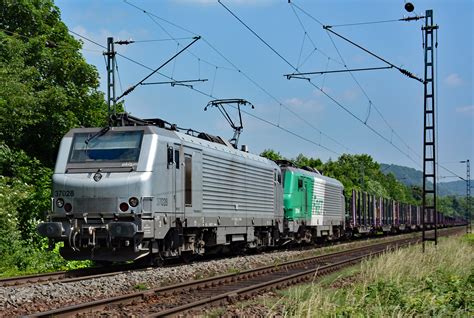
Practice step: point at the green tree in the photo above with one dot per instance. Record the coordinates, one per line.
(47, 86)
(271, 154)
(303, 161)
(46, 89)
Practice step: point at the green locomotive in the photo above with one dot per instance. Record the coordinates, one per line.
(314, 205)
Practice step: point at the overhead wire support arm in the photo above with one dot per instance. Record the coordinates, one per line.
(130, 89)
(299, 75)
(180, 83)
(407, 19)
(403, 71)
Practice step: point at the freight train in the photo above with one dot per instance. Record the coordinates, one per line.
(143, 190)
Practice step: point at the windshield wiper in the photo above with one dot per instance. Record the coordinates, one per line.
(97, 134)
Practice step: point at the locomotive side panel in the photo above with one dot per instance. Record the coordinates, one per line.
(328, 203)
(314, 205)
(236, 192)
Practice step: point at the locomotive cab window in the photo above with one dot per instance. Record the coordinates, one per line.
(116, 146)
(170, 156)
(188, 175)
(300, 183)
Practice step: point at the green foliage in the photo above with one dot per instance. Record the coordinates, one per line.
(21, 255)
(361, 172)
(271, 154)
(469, 238)
(303, 161)
(140, 286)
(453, 205)
(47, 86)
(17, 168)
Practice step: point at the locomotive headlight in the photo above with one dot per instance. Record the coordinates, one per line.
(60, 203)
(123, 206)
(133, 201)
(68, 207)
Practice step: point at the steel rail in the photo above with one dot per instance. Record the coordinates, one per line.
(225, 279)
(194, 285)
(67, 276)
(81, 274)
(292, 279)
(30, 279)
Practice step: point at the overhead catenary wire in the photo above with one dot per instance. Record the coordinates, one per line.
(321, 90)
(316, 49)
(214, 97)
(371, 104)
(252, 115)
(130, 89)
(358, 83)
(235, 68)
(360, 86)
(403, 71)
(364, 23)
(417, 17)
(161, 40)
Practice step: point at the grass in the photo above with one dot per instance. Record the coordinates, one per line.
(141, 286)
(438, 283)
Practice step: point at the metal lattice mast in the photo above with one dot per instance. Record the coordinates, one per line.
(429, 141)
(111, 100)
(468, 196)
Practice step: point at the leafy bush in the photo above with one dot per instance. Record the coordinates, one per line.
(24, 197)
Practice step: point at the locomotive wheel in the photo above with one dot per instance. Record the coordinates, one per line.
(188, 257)
(103, 263)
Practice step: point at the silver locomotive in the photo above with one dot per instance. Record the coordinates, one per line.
(144, 190)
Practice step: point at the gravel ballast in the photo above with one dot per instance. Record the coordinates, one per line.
(29, 299)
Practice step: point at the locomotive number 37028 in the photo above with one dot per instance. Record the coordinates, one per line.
(64, 193)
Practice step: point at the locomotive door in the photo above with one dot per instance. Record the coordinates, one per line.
(304, 197)
(178, 181)
(191, 181)
(307, 197)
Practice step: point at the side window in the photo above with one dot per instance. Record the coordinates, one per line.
(170, 156)
(300, 183)
(176, 158)
(279, 177)
(188, 195)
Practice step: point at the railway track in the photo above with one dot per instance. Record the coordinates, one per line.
(67, 276)
(90, 273)
(181, 298)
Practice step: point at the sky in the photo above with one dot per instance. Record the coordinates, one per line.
(375, 112)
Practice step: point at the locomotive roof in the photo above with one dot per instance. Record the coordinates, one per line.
(220, 147)
(314, 174)
(154, 129)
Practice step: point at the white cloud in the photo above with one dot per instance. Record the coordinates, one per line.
(301, 105)
(350, 95)
(465, 109)
(453, 80)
